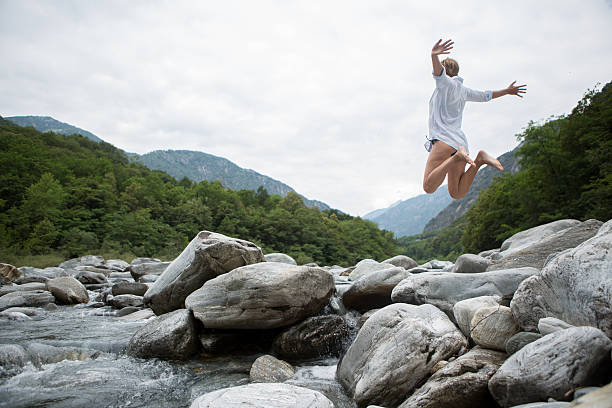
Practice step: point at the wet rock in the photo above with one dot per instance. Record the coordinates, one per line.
(8, 274)
(462, 383)
(22, 288)
(87, 277)
(121, 301)
(464, 310)
(269, 369)
(597, 399)
(143, 314)
(261, 296)
(282, 258)
(444, 289)
(127, 310)
(548, 325)
(470, 263)
(575, 287)
(27, 298)
(171, 336)
(374, 290)
(492, 326)
(67, 290)
(402, 261)
(263, 395)
(553, 365)
(314, 337)
(395, 350)
(129, 288)
(366, 267)
(46, 354)
(207, 256)
(520, 340)
(141, 270)
(116, 265)
(12, 358)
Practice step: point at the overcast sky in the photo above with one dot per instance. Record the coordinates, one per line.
(330, 97)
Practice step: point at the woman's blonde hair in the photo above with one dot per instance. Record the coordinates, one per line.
(451, 66)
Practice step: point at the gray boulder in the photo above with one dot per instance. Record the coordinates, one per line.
(548, 325)
(462, 383)
(129, 288)
(534, 235)
(536, 253)
(87, 260)
(171, 336)
(374, 290)
(269, 369)
(314, 337)
(31, 274)
(261, 296)
(470, 263)
(121, 301)
(22, 288)
(402, 261)
(464, 310)
(67, 290)
(492, 326)
(552, 366)
(263, 395)
(116, 265)
(365, 267)
(444, 289)
(520, 340)
(436, 264)
(8, 274)
(394, 351)
(575, 286)
(26, 298)
(282, 258)
(140, 270)
(207, 256)
(87, 277)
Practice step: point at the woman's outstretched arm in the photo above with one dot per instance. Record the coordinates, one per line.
(511, 90)
(440, 48)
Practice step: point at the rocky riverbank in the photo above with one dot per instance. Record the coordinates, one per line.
(223, 325)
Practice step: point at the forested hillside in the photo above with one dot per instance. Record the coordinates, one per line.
(70, 196)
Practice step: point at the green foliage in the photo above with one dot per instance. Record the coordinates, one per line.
(71, 196)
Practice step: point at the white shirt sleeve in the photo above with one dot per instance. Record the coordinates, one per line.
(442, 80)
(472, 95)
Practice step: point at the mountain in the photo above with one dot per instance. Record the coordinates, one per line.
(408, 217)
(48, 124)
(483, 179)
(199, 166)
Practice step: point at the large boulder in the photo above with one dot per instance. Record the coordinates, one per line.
(470, 263)
(270, 369)
(444, 289)
(263, 395)
(552, 366)
(172, 336)
(87, 260)
(535, 253)
(402, 261)
(207, 256)
(67, 290)
(8, 274)
(26, 298)
(462, 383)
(365, 267)
(261, 296)
(575, 286)
(282, 258)
(492, 326)
(394, 351)
(374, 290)
(534, 235)
(141, 269)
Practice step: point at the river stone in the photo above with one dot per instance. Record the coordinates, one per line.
(148, 278)
(143, 269)
(129, 288)
(143, 314)
(402, 261)
(27, 298)
(548, 325)
(436, 264)
(462, 383)
(31, 274)
(444, 289)
(261, 296)
(470, 263)
(552, 366)
(597, 399)
(374, 290)
(269, 369)
(394, 351)
(365, 267)
(171, 336)
(28, 311)
(314, 337)
(22, 288)
(520, 340)
(127, 310)
(263, 395)
(492, 326)
(207, 256)
(534, 235)
(87, 277)
(121, 301)
(282, 258)
(575, 287)
(46, 354)
(536, 254)
(464, 310)
(87, 260)
(18, 316)
(67, 290)
(8, 274)
(118, 265)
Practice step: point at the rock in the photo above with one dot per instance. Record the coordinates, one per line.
(31, 274)
(86, 268)
(121, 301)
(22, 288)
(138, 261)
(575, 287)
(402, 261)
(263, 395)
(143, 314)
(444, 289)
(462, 383)
(464, 310)
(129, 288)
(25, 310)
(533, 235)
(597, 399)
(87, 260)
(492, 326)
(314, 337)
(87, 277)
(553, 365)
(488, 253)
(374, 290)
(28, 298)
(261, 296)
(127, 310)
(584, 391)
(366, 267)
(50, 307)
(364, 317)
(207, 256)
(470, 263)
(282, 258)
(269, 369)
(67, 290)
(435, 264)
(548, 325)
(12, 358)
(116, 265)
(141, 270)
(46, 354)
(394, 351)
(8, 274)
(15, 316)
(148, 278)
(536, 253)
(126, 276)
(171, 336)
(520, 340)
(96, 286)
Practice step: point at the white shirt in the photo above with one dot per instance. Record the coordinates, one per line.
(446, 109)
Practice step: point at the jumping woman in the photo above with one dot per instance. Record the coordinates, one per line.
(447, 144)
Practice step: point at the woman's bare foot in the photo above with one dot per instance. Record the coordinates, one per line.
(463, 156)
(485, 158)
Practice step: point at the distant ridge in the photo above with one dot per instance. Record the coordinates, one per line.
(48, 124)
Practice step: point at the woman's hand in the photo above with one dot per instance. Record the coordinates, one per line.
(442, 47)
(516, 89)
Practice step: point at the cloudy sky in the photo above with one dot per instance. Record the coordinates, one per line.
(330, 97)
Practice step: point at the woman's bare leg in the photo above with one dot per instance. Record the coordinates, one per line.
(460, 180)
(440, 160)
